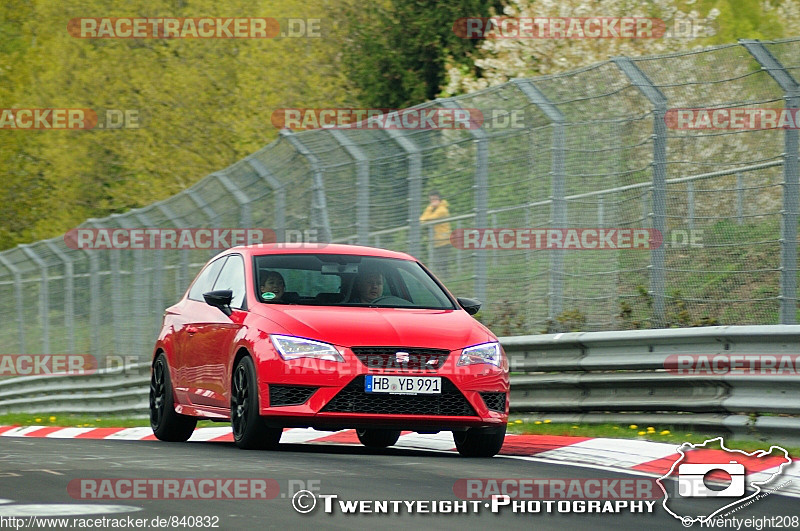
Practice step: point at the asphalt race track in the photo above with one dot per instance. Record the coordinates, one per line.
(38, 471)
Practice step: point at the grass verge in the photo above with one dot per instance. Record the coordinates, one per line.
(82, 421)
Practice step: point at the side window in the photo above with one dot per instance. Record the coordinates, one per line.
(205, 280)
(232, 278)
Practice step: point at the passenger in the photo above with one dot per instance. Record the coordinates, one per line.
(272, 286)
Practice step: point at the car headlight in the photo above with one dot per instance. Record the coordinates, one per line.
(484, 353)
(291, 348)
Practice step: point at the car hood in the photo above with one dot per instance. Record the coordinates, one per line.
(396, 327)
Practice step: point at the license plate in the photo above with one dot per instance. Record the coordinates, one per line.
(403, 385)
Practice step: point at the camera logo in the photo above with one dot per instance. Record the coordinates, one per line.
(706, 479)
(692, 480)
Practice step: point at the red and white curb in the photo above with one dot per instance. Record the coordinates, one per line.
(642, 457)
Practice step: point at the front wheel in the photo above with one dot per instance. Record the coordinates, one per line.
(249, 430)
(378, 438)
(167, 425)
(479, 442)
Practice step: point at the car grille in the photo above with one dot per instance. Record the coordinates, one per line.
(386, 358)
(353, 399)
(289, 395)
(495, 401)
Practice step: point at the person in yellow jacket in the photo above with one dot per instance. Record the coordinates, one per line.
(442, 250)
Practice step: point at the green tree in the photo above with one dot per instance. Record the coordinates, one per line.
(396, 50)
(203, 104)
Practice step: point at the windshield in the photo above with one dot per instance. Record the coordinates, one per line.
(346, 280)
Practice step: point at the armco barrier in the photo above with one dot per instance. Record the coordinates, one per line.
(591, 377)
(620, 378)
(118, 391)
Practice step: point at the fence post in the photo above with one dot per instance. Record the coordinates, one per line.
(430, 244)
(153, 305)
(201, 203)
(558, 185)
(137, 306)
(657, 255)
(600, 211)
(494, 251)
(458, 251)
(94, 301)
(156, 308)
(280, 196)
(689, 205)
(791, 181)
(319, 205)
(362, 184)
(118, 322)
(69, 294)
(238, 195)
(739, 198)
(414, 156)
(18, 299)
(44, 299)
(182, 280)
(481, 196)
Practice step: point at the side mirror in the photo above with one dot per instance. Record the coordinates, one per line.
(470, 305)
(220, 299)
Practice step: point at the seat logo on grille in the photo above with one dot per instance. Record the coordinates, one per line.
(401, 357)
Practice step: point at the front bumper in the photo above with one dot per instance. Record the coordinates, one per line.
(472, 396)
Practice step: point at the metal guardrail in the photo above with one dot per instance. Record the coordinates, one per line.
(620, 378)
(121, 390)
(589, 378)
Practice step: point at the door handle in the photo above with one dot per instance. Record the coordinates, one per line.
(191, 329)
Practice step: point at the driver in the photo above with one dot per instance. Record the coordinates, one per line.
(369, 286)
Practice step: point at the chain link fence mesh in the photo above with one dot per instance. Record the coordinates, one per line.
(573, 150)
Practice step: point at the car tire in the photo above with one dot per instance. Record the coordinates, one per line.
(167, 424)
(376, 439)
(249, 430)
(479, 442)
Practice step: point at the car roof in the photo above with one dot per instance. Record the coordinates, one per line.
(317, 248)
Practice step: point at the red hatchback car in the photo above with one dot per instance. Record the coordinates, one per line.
(329, 337)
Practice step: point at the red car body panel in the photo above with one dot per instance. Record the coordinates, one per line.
(201, 344)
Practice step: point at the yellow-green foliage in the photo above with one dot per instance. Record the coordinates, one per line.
(203, 104)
